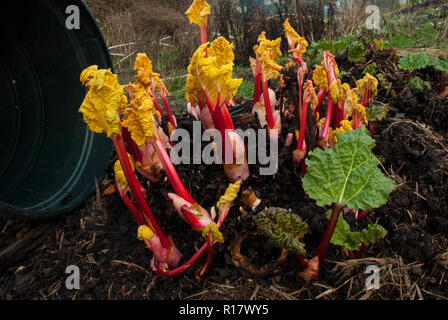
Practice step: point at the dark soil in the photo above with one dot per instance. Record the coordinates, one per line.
(100, 237)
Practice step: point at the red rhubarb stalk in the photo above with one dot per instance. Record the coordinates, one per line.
(168, 111)
(320, 97)
(171, 173)
(326, 130)
(267, 105)
(132, 146)
(156, 102)
(135, 187)
(323, 246)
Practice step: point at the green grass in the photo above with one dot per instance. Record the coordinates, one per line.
(245, 91)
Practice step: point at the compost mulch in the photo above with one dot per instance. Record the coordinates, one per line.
(100, 237)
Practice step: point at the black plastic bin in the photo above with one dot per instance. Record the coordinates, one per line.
(48, 157)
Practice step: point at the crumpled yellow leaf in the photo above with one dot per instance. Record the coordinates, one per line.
(230, 195)
(345, 125)
(272, 47)
(367, 87)
(269, 69)
(336, 91)
(198, 12)
(193, 89)
(214, 230)
(309, 94)
(294, 39)
(351, 101)
(360, 111)
(222, 50)
(104, 101)
(253, 65)
(143, 66)
(320, 77)
(140, 119)
(119, 173)
(213, 72)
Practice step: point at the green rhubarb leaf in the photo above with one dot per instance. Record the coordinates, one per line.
(370, 69)
(416, 83)
(440, 65)
(415, 61)
(347, 174)
(344, 237)
(357, 53)
(283, 228)
(377, 112)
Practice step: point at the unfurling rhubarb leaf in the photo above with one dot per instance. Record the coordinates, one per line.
(344, 237)
(227, 198)
(377, 112)
(357, 53)
(214, 230)
(104, 102)
(283, 228)
(347, 174)
(198, 12)
(416, 83)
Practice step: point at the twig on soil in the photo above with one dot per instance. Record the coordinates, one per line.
(196, 294)
(282, 293)
(253, 296)
(132, 265)
(434, 294)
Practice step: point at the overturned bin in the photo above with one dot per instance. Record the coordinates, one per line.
(48, 158)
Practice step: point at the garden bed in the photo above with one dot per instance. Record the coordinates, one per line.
(101, 236)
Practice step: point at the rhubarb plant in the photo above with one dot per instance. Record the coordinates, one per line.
(283, 228)
(265, 68)
(354, 243)
(107, 110)
(211, 85)
(346, 175)
(357, 53)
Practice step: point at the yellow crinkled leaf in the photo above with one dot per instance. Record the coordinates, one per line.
(294, 38)
(103, 102)
(144, 233)
(269, 69)
(216, 234)
(345, 125)
(320, 77)
(230, 195)
(351, 101)
(367, 87)
(88, 74)
(361, 113)
(336, 92)
(253, 65)
(139, 119)
(214, 73)
(119, 173)
(222, 50)
(198, 12)
(143, 66)
(309, 94)
(193, 89)
(271, 47)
